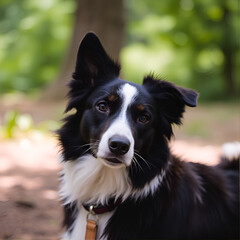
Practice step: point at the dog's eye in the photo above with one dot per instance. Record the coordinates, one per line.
(102, 107)
(145, 118)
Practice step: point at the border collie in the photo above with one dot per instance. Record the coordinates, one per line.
(117, 165)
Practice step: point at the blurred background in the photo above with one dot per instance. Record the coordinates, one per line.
(193, 43)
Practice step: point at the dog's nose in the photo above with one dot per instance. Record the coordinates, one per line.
(118, 145)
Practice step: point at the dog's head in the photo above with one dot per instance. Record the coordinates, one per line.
(121, 123)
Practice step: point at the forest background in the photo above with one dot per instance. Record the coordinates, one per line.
(193, 43)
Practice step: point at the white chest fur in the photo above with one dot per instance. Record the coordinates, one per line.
(87, 180)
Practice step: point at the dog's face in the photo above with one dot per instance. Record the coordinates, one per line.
(122, 124)
(118, 121)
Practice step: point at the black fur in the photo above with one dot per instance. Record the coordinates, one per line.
(183, 208)
(194, 201)
(70, 213)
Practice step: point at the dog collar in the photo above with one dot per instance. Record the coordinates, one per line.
(100, 209)
(92, 216)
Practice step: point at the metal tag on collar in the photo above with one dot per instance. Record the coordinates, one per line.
(91, 214)
(91, 226)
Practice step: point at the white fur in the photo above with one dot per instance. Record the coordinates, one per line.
(88, 180)
(231, 150)
(120, 127)
(151, 187)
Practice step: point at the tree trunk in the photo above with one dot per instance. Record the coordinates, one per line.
(106, 18)
(228, 51)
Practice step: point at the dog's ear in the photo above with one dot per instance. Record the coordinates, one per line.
(93, 68)
(170, 99)
(93, 65)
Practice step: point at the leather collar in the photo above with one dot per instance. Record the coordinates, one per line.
(100, 209)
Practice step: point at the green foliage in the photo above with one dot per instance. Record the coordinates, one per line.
(185, 41)
(10, 123)
(16, 125)
(33, 38)
(13, 121)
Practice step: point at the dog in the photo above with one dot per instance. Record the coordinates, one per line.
(118, 170)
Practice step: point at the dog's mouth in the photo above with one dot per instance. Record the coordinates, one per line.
(112, 161)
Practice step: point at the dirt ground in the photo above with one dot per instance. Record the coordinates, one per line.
(29, 206)
(29, 181)
(29, 172)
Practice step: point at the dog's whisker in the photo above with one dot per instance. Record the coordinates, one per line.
(148, 164)
(93, 141)
(137, 164)
(85, 145)
(90, 148)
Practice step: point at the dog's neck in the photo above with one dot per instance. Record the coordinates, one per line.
(88, 181)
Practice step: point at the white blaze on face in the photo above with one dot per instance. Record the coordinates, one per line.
(120, 126)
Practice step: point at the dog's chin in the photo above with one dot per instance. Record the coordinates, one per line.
(112, 162)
